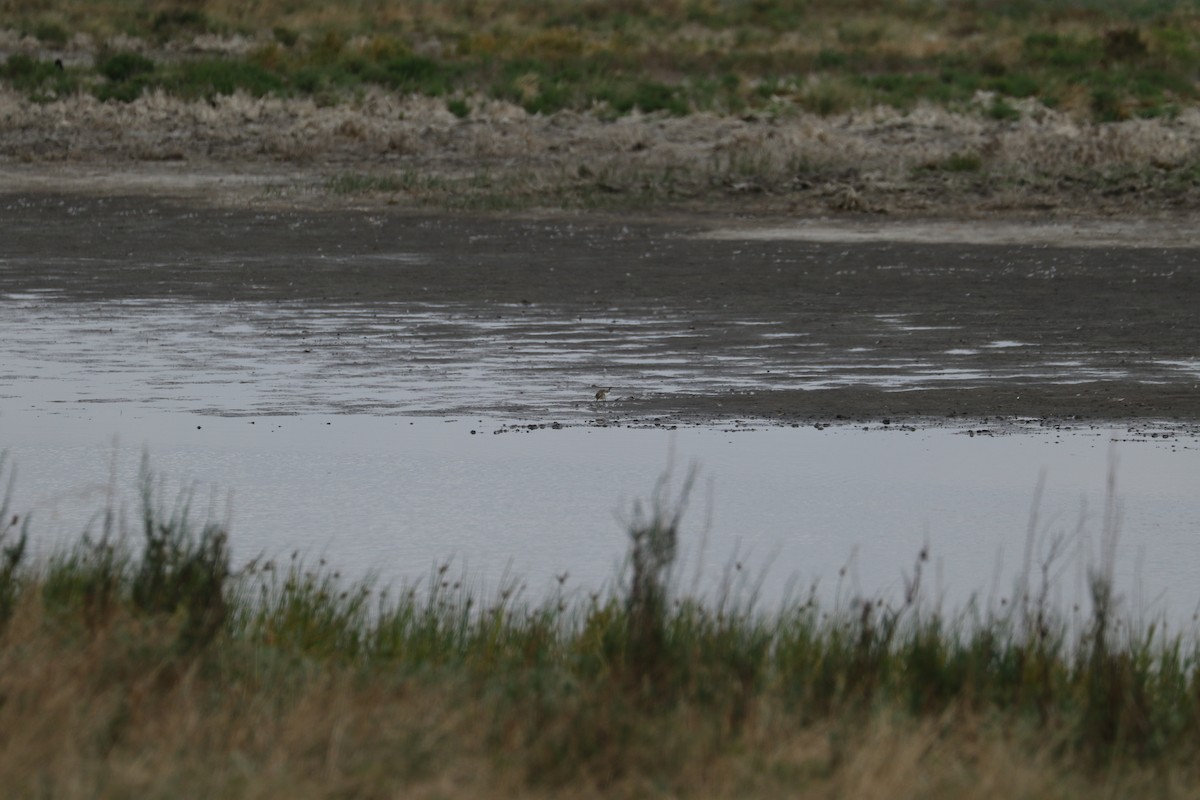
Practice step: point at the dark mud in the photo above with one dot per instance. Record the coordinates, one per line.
(683, 326)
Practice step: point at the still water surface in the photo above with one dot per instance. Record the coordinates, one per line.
(396, 496)
(383, 441)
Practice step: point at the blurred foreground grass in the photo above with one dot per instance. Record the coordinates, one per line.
(148, 665)
(1099, 59)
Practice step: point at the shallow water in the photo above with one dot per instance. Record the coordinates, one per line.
(385, 438)
(509, 361)
(317, 376)
(396, 496)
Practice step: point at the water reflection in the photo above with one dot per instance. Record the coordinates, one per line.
(395, 495)
(508, 361)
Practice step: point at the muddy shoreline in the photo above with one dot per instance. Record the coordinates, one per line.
(939, 332)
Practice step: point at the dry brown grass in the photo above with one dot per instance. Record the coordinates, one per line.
(413, 151)
(115, 710)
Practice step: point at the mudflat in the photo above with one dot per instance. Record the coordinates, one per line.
(853, 319)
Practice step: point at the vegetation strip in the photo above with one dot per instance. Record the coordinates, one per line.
(162, 669)
(1104, 60)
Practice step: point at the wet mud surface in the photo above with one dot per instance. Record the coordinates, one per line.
(526, 318)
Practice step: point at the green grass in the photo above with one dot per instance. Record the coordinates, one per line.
(1105, 60)
(40, 80)
(355, 183)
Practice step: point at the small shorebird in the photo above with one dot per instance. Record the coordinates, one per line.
(602, 394)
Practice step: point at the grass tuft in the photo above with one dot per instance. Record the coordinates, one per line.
(182, 572)
(14, 537)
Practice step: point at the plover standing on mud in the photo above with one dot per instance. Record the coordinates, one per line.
(602, 394)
